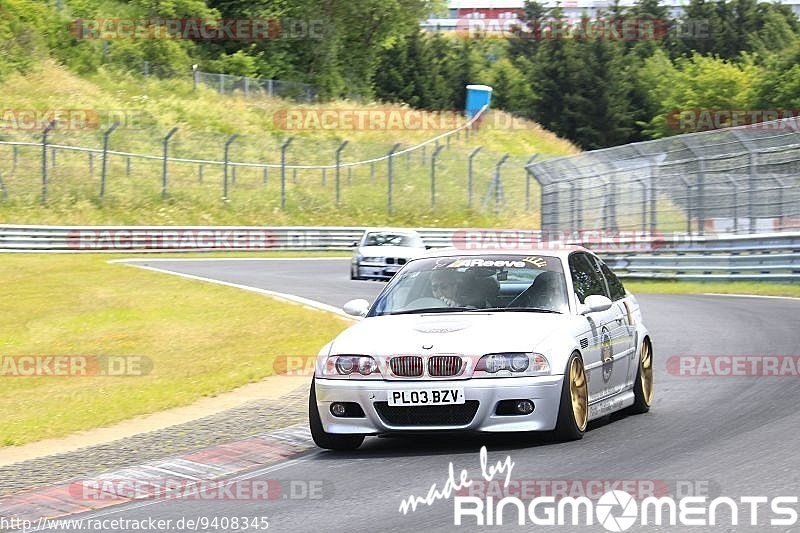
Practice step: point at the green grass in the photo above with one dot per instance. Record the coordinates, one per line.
(721, 287)
(202, 339)
(206, 119)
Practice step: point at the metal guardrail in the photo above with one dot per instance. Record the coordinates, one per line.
(773, 257)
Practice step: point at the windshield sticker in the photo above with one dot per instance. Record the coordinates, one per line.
(531, 261)
(538, 262)
(466, 263)
(442, 262)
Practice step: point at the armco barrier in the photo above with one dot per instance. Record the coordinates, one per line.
(774, 256)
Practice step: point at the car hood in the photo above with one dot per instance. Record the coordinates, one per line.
(390, 251)
(471, 333)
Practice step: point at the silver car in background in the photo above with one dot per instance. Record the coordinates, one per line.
(382, 252)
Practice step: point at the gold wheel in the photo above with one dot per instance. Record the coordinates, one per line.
(646, 373)
(578, 393)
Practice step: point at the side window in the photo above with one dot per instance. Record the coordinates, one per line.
(614, 284)
(585, 277)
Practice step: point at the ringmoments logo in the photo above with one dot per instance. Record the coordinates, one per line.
(615, 509)
(611, 502)
(618, 510)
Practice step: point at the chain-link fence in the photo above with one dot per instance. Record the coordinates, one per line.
(137, 168)
(231, 83)
(734, 180)
(256, 87)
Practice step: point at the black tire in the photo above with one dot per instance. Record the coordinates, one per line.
(566, 426)
(329, 441)
(354, 272)
(640, 401)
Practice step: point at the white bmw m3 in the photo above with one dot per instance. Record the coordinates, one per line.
(539, 340)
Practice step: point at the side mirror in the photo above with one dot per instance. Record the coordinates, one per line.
(358, 307)
(595, 304)
(355, 244)
(428, 246)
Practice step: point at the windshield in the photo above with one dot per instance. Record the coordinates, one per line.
(393, 239)
(473, 283)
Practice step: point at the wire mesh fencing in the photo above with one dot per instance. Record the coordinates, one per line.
(734, 180)
(256, 87)
(140, 167)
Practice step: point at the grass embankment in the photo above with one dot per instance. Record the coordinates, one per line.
(150, 107)
(718, 287)
(202, 340)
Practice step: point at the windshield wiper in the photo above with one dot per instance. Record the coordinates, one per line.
(433, 310)
(527, 309)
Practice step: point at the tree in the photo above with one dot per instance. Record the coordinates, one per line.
(511, 90)
(779, 87)
(693, 94)
(597, 102)
(528, 35)
(551, 77)
(461, 68)
(726, 29)
(414, 71)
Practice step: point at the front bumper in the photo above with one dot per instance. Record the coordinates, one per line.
(544, 391)
(376, 270)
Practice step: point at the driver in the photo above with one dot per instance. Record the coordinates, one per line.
(445, 285)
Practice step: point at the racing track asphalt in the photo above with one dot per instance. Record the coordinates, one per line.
(738, 435)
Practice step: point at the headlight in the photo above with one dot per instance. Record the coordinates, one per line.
(355, 366)
(372, 259)
(512, 364)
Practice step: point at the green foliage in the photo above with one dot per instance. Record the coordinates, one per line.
(726, 29)
(598, 102)
(720, 54)
(778, 88)
(598, 92)
(580, 85)
(28, 31)
(513, 93)
(424, 71)
(695, 83)
(238, 63)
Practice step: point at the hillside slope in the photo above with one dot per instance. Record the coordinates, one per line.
(149, 107)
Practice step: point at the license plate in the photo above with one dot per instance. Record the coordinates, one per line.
(426, 397)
